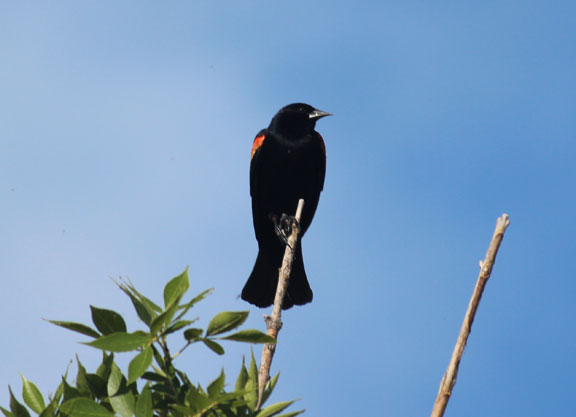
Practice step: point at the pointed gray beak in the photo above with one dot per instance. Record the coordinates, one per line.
(318, 114)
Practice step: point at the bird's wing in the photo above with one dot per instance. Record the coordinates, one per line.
(322, 168)
(254, 157)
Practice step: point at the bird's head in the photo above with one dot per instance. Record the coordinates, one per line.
(296, 119)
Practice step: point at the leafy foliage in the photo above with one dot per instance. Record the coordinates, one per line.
(164, 389)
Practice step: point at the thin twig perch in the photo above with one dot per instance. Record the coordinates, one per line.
(274, 322)
(449, 379)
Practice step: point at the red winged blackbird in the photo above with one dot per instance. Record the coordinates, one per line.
(288, 163)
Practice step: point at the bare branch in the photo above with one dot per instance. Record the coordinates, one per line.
(274, 322)
(449, 379)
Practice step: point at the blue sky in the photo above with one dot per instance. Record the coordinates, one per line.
(125, 137)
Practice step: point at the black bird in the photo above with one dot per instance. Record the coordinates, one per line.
(288, 162)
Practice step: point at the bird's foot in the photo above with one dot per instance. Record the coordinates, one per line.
(284, 227)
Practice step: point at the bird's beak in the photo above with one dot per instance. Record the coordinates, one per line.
(318, 114)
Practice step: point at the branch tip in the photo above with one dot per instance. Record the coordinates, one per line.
(449, 379)
(503, 221)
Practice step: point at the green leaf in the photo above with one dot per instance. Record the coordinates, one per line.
(76, 327)
(192, 335)
(121, 342)
(252, 384)
(49, 411)
(139, 364)
(250, 336)
(197, 399)
(162, 389)
(215, 388)
(242, 377)
(292, 414)
(177, 326)
(97, 385)
(115, 381)
(123, 404)
(59, 392)
(164, 319)
(145, 308)
(144, 404)
(146, 301)
(84, 407)
(144, 313)
(226, 321)
(7, 413)
(32, 396)
(186, 411)
(234, 399)
(184, 378)
(103, 370)
(176, 288)
(17, 409)
(159, 361)
(53, 408)
(269, 388)
(121, 399)
(195, 300)
(151, 376)
(81, 382)
(107, 321)
(214, 346)
(69, 392)
(274, 409)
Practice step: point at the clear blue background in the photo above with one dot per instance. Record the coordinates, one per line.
(125, 137)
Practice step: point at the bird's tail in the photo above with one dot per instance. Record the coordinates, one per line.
(260, 288)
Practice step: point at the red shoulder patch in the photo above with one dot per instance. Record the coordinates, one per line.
(257, 143)
(321, 142)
